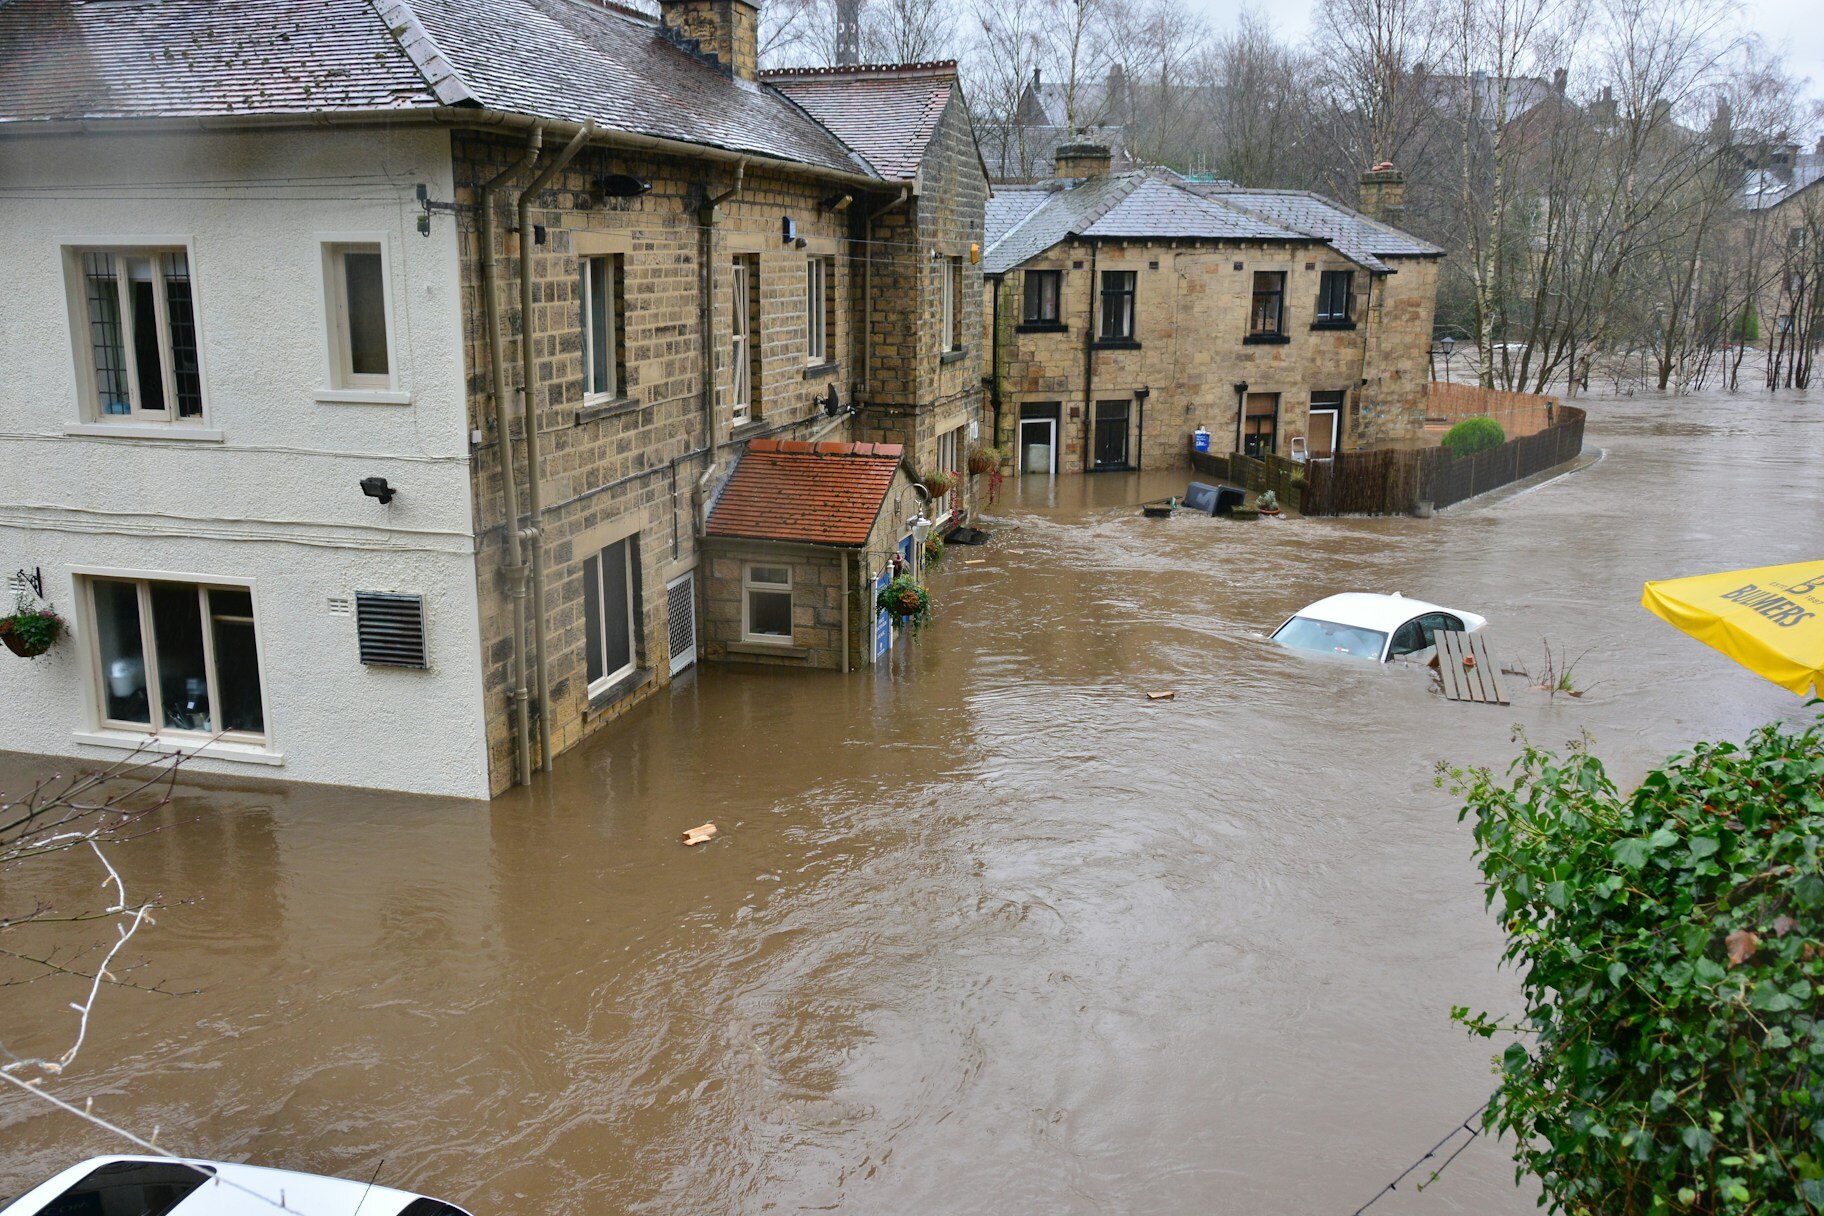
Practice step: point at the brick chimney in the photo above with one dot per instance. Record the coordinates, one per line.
(1082, 160)
(725, 31)
(1384, 194)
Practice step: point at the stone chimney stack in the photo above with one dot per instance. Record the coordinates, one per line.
(1082, 160)
(1384, 194)
(726, 31)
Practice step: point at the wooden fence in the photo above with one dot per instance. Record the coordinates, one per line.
(1394, 480)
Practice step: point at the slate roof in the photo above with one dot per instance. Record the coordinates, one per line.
(567, 60)
(1024, 221)
(1351, 233)
(1764, 188)
(1120, 205)
(183, 58)
(887, 112)
(810, 493)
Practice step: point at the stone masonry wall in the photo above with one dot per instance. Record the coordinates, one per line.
(629, 466)
(919, 389)
(1192, 305)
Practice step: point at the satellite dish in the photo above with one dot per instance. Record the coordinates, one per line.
(832, 404)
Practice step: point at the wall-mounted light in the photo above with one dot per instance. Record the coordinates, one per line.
(975, 253)
(621, 185)
(800, 243)
(788, 229)
(376, 487)
(1141, 394)
(836, 202)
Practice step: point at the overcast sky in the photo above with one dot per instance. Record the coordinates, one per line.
(1795, 27)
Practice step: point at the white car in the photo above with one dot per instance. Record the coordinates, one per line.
(1370, 626)
(168, 1186)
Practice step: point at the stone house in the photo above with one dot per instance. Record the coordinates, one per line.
(1126, 310)
(799, 543)
(277, 386)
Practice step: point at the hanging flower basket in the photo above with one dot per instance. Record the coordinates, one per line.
(984, 460)
(934, 549)
(940, 483)
(28, 633)
(905, 600)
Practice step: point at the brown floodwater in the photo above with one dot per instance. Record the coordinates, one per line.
(985, 930)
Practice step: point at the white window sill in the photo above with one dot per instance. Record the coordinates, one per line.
(361, 396)
(127, 741)
(179, 432)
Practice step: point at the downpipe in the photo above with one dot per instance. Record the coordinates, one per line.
(528, 393)
(514, 568)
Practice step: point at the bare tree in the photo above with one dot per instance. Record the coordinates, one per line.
(1007, 49)
(59, 828)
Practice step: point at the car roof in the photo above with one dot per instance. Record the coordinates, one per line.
(309, 1194)
(1372, 610)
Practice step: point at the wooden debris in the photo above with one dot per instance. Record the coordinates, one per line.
(975, 561)
(1169, 695)
(1468, 674)
(699, 834)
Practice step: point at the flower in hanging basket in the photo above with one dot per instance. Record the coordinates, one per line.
(905, 600)
(940, 483)
(29, 632)
(984, 460)
(934, 548)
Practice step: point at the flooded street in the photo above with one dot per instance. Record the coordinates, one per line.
(986, 931)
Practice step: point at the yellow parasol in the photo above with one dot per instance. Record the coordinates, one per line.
(1770, 620)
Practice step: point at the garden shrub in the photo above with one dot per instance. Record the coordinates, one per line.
(1668, 946)
(1474, 435)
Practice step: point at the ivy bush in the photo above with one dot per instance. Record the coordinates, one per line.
(1668, 947)
(1473, 435)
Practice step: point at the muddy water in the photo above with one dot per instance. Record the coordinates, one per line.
(985, 931)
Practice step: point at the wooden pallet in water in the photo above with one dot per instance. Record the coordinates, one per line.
(1471, 680)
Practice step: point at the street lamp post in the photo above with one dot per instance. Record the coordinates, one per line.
(1449, 344)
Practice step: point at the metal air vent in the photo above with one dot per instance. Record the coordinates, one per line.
(391, 628)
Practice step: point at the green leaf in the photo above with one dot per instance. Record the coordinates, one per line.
(1617, 973)
(1632, 852)
(1515, 1059)
(1704, 846)
(1697, 1140)
(1687, 1196)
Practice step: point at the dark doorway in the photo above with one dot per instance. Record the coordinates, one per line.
(1260, 432)
(1111, 434)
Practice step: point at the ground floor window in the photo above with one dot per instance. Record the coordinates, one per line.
(177, 657)
(1260, 427)
(1324, 431)
(766, 603)
(608, 614)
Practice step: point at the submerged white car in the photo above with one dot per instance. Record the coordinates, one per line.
(168, 1186)
(1370, 626)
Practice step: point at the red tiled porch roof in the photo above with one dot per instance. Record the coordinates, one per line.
(811, 493)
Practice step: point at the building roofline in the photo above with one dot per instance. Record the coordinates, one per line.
(474, 116)
(928, 69)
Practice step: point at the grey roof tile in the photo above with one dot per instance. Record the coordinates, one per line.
(887, 112)
(63, 59)
(1134, 206)
(558, 59)
(1351, 233)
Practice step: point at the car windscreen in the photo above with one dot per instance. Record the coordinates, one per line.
(1328, 637)
(143, 1188)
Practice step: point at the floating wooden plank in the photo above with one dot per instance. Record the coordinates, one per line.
(1169, 695)
(1468, 673)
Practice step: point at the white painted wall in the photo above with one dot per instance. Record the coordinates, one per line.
(275, 499)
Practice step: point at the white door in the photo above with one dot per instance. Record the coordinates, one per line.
(1038, 445)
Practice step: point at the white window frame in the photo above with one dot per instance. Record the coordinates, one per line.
(114, 729)
(140, 421)
(749, 585)
(609, 265)
(947, 292)
(741, 336)
(816, 284)
(609, 679)
(345, 384)
(949, 460)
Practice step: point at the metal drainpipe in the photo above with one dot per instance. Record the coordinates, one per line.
(1241, 400)
(1089, 359)
(515, 566)
(994, 362)
(528, 395)
(1367, 325)
(706, 278)
(867, 289)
